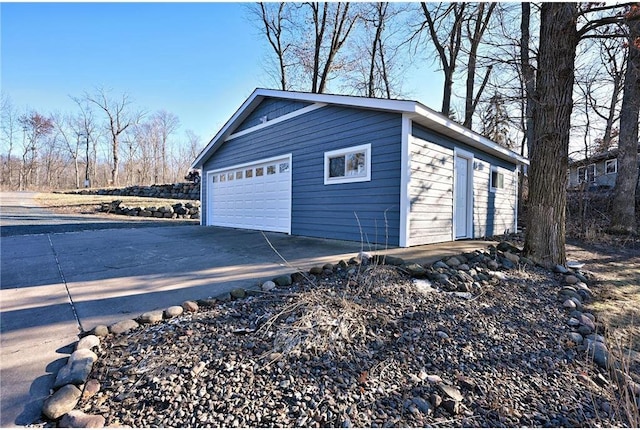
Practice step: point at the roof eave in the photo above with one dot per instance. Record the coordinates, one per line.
(446, 126)
(418, 112)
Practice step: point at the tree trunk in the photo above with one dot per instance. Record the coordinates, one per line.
(545, 236)
(116, 161)
(623, 217)
(527, 73)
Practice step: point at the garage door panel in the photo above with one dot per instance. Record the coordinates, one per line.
(253, 197)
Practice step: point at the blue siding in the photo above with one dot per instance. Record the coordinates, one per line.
(330, 211)
(271, 108)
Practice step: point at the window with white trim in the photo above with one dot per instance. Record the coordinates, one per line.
(348, 165)
(611, 166)
(582, 174)
(496, 180)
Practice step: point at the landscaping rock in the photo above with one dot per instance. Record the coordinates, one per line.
(268, 286)
(101, 330)
(415, 270)
(190, 306)
(316, 270)
(123, 326)
(88, 342)
(283, 281)
(77, 369)
(570, 279)
(91, 388)
(453, 262)
(599, 353)
(238, 293)
(512, 257)
(173, 311)
(151, 317)
(78, 419)
(61, 402)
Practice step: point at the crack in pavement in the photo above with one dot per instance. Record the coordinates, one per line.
(64, 281)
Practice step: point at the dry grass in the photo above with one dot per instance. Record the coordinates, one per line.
(329, 318)
(89, 204)
(617, 302)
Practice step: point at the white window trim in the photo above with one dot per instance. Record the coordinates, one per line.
(615, 166)
(491, 185)
(595, 171)
(344, 151)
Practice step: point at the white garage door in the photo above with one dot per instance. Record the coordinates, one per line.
(255, 196)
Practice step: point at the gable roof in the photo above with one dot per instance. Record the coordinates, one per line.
(418, 113)
(596, 158)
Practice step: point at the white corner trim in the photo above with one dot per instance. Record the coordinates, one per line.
(515, 220)
(405, 180)
(202, 187)
(277, 120)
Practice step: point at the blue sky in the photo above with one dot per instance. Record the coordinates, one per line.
(197, 60)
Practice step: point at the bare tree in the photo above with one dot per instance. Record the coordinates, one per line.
(475, 28)
(35, 127)
(614, 62)
(8, 138)
(166, 123)
(624, 199)
(332, 23)
(87, 131)
(444, 22)
(69, 137)
(119, 118)
(375, 49)
(273, 18)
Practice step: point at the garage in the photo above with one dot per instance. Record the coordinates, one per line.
(254, 196)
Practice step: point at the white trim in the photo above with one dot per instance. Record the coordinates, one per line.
(405, 181)
(466, 155)
(209, 207)
(615, 164)
(251, 163)
(348, 179)
(202, 188)
(277, 120)
(515, 220)
(595, 170)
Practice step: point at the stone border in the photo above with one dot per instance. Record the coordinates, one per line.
(451, 275)
(178, 210)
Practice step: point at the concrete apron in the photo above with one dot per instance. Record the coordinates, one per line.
(55, 285)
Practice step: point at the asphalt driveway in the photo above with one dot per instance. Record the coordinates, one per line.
(61, 275)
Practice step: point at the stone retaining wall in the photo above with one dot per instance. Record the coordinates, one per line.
(187, 210)
(186, 190)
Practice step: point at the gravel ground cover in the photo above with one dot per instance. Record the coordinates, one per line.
(478, 345)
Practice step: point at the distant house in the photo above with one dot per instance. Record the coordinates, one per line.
(383, 171)
(598, 171)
